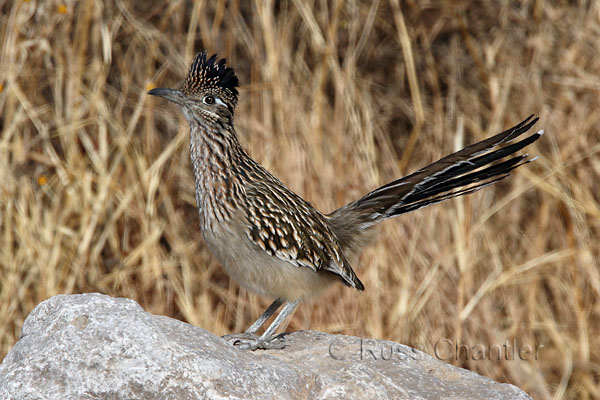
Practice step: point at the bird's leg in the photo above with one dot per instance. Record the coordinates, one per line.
(250, 333)
(267, 340)
(261, 320)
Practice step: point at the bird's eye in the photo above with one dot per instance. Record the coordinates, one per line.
(209, 100)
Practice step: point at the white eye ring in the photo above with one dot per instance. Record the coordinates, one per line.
(210, 100)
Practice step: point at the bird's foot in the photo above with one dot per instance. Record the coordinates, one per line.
(248, 341)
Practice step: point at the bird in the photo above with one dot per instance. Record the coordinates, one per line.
(272, 241)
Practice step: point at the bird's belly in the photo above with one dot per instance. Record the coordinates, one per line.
(256, 270)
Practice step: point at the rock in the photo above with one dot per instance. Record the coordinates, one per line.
(92, 346)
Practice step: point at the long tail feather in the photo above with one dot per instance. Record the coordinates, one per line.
(457, 174)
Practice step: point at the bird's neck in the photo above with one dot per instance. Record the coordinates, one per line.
(215, 153)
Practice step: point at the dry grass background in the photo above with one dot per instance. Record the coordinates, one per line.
(96, 190)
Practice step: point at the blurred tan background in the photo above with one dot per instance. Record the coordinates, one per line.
(337, 97)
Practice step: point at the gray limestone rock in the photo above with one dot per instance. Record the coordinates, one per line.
(93, 346)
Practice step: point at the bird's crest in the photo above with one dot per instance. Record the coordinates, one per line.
(210, 75)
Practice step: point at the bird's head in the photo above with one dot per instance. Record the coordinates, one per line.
(209, 91)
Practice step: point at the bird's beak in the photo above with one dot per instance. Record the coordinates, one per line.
(170, 94)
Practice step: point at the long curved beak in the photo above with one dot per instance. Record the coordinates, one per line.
(170, 94)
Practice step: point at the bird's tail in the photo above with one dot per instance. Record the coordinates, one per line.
(457, 174)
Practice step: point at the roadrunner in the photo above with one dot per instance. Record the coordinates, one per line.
(274, 242)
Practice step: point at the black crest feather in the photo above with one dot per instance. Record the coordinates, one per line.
(208, 74)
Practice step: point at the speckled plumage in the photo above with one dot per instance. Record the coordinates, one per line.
(273, 241)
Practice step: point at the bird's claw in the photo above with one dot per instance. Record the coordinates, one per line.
(248, 341)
